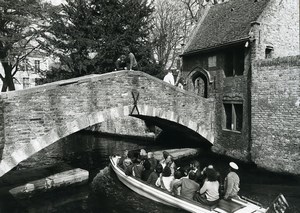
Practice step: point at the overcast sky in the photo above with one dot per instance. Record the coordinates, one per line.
(56, 2)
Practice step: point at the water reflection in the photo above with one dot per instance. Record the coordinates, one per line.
(108, 194)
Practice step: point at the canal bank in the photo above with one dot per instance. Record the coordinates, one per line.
(90, 152)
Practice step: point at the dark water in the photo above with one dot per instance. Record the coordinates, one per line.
(105, 193)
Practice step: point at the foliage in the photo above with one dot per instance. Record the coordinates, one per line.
(18, 27)
(88, 36)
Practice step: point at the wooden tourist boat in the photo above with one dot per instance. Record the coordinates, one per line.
(71, 177)
(162, 196)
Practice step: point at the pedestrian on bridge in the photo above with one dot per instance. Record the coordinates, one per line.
(131, 60)
(169, 78)
(121, 63)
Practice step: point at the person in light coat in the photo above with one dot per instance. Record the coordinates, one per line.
(169, 78)
(232, 182)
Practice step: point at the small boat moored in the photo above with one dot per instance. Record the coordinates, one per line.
(71, 177)
(162, 196)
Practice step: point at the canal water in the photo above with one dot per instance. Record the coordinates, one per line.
(105, 193)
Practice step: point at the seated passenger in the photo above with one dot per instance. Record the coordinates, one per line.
(195, 166)
(171, 164)
(121, 160)
(188, 186)
(152, 161)
(143, 154)
(165, 179)
(163, 161)
(155, 174)
(137, 169)
(146, 172)
(177, 176)
(209, 192)
(134, 161)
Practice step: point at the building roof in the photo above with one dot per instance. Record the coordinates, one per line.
(226, 23)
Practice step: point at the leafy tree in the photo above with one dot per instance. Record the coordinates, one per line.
(88, 36)
(18, 28)
(124, 23)
(70, 38)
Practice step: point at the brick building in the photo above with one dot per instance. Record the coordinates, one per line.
(221, 59)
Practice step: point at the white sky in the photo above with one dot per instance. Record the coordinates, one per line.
(56, 2)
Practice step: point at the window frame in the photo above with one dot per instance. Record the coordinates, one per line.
(212, 61)
(269, 52)
(37, 66)
(232, 64)
(26, 82)
(236, 119)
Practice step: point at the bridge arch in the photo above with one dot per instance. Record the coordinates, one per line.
(91, 119)
(58, 109)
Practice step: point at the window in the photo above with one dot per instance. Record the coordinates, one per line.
(234, 62)
(24, 65)
(233, 116)
(36, 65)
(212, 61)
(25, 83)
(268, 52)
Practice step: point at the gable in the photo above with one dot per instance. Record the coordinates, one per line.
(226, 23)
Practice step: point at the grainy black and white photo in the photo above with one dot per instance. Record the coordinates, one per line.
(149, 106)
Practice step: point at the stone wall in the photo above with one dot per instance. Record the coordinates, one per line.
(279, 28)
(276, 114)
(128, 126)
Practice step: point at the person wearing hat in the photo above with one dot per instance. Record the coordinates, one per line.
(232, 182)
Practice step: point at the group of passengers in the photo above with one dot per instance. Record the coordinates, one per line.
(190, 182)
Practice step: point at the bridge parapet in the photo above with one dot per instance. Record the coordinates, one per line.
(37, 117)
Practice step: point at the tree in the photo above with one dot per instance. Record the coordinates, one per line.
(173, 20)
(18, 28)
(194, 8)
(88, 36)
(70, 38)
(169, 21)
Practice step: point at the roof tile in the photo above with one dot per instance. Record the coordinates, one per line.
(226, 23)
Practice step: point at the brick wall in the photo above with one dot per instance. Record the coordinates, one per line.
(231, 143)
(127, 126)
(279, 28)
(276, 114)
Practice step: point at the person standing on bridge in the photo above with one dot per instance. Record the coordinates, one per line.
(169, 78)
(131, 61)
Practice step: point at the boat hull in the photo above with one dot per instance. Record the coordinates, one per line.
(161, 196)
(71, 177)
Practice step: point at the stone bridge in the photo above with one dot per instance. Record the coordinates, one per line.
(35, 118)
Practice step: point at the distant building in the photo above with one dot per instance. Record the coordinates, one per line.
(30, 70)
(217, 60)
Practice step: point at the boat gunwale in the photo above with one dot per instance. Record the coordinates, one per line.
(153, 190)
(180, 200)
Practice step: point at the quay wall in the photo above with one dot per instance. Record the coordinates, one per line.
(275, 114)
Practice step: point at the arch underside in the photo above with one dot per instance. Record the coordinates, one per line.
(162, 118)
